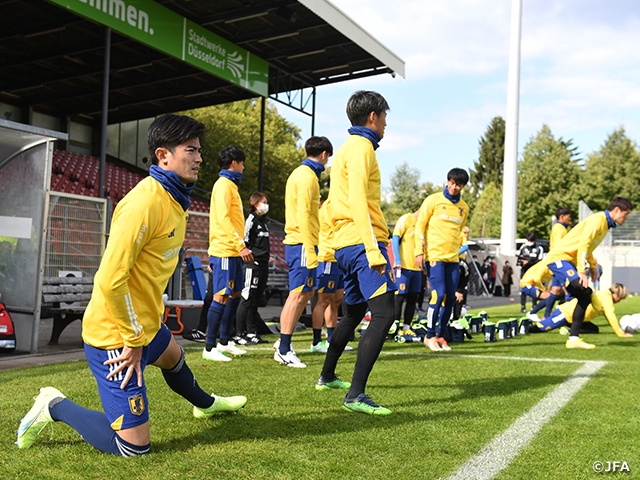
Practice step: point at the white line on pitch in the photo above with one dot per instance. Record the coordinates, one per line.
(497, 454)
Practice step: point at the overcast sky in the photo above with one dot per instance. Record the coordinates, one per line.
(580, 74)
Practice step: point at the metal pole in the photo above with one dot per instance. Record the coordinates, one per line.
(105, 110)
(510, 177)
(313, 113)
(263, 109)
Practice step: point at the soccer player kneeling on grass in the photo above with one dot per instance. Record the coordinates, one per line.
(360, 236)
(602, 303)
(122, 328)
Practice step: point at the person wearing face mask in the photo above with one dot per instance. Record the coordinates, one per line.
(256, 273)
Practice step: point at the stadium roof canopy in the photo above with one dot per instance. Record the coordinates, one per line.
(52, 60)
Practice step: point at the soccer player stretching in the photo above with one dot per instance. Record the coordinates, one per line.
(360, 236)
(437, 234)
(572, 258)
(122, 328)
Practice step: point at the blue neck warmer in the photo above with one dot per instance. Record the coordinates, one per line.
(317, 167)
(235, 177)
(451, 198)
(565, 225)
(371, 135)
(610, 222)
(171, 182)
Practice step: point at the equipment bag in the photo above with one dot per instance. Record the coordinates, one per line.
(7, 331)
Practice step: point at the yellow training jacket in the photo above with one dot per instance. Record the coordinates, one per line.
(325, 241)
(147, 232)
(538, 275)
(405, 229)
(301, 203)
(558, 232)
(601, 304)
(438, 228)
(355, 214)
(578, 245)
(226, 220)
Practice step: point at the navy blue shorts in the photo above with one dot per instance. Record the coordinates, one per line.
(330, 278)
(301, 278)
(362, 282)
(228, 277)
(409, 281)
(128, 407)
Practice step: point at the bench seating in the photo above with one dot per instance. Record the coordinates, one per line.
(277, 284)
(69, 297)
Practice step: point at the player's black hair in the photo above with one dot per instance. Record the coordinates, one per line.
(228, 155)
(170, 130)
(458, 175)
(531, 236)
(562, 211)
(362, 103)
(314, 146)
(622, 203)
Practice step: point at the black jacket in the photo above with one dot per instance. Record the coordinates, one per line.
(256, 238)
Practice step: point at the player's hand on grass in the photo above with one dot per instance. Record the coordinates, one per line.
(129, 359)
(627, 335)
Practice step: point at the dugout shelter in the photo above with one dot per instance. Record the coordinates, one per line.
(76, 66)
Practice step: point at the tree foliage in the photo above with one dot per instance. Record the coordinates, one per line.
(406, 193)
(549, 176)
(489, 167)
(613, 170)
(238, 123)
(486, 220)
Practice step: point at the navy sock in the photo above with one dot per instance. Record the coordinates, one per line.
(540, 305)
(551, 301)
(214, 317)
(329, 333)
(285, 343)
(228, 320)
(181, 380)
(94, 428)
(317, 335)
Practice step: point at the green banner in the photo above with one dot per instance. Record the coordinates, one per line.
(160, 28)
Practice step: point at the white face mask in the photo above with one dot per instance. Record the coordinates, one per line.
(262, 208)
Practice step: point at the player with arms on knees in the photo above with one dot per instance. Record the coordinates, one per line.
(122, 327)
(360, 237)
(442, 217)
(571, 261)
(302, 225)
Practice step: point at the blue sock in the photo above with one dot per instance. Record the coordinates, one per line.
(551, 301)
(317, 335)
(181, 380)
(214, 317)
(539, 306)
(330, 333)
(94, 428)
(285, 343)
(228, 320)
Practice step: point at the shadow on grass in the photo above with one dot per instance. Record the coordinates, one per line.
(486, 387)
(239, 427)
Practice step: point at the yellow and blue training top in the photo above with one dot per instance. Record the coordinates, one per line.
(226, 220)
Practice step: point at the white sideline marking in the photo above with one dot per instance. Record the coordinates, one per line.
(498, 453)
